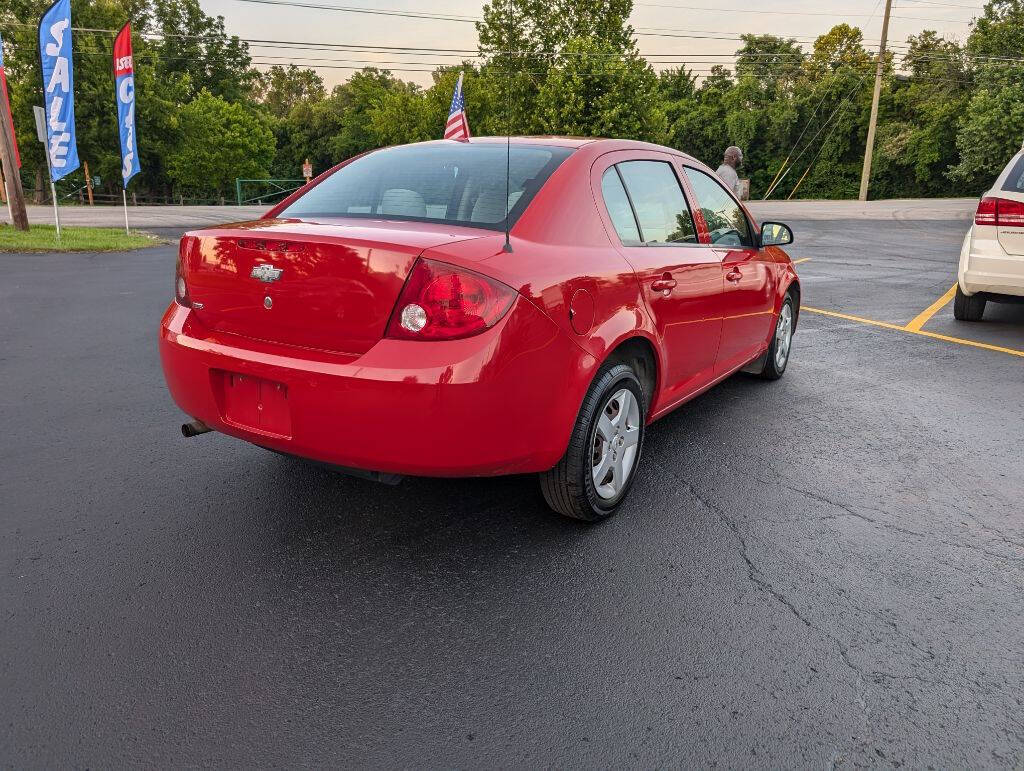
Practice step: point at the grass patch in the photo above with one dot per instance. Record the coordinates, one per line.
(43, 238)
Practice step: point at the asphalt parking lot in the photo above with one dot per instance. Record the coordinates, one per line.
(823, 571)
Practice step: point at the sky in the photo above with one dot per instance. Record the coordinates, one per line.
(801, 19)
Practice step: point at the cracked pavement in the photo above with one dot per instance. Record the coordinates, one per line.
(823, 571)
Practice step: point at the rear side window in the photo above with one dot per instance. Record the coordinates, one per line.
(1015, 181)
(455, 183)
(619, 210)
(659, 203)
(727, 224)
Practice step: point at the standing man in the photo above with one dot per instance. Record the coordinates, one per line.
(727, 171)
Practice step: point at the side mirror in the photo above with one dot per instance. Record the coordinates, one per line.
(775, 234)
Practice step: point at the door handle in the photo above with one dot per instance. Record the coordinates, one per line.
(664, 284)
(734, 275)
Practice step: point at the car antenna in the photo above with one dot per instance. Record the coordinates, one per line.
(508, 164)
(508, 131)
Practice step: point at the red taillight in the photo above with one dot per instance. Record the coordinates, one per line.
(181, 294)
(986, 214)
(999, 211)
(1010, 213)
(442, 302)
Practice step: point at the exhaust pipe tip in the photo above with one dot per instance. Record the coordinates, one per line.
(195, 428)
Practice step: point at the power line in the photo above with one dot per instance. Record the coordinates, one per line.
(824, 143)
(311, 45)
(653, 58)
(856, 86)
(946, 5)
(779, 175)
(840, 14)
(370, 11)
(441, 16)
(675, 59)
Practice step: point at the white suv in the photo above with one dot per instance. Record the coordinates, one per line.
(992, 258)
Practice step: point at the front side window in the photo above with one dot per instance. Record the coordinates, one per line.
(455, 183)
(660, 205)
(727, 224)
(619, 209)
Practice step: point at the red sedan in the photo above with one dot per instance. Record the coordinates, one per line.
(471, 309)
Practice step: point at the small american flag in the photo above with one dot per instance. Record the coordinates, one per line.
(457, 126)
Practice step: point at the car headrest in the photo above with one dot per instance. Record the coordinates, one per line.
(403, 203)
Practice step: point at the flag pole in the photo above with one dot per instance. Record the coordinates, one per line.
(124, 199)
(56, 210)
(53, 191)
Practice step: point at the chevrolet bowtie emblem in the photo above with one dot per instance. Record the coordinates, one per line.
(266, 272)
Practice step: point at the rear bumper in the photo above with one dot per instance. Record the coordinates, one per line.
(986, 267)
(502, 402)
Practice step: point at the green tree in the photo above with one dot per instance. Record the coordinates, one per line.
(404, 116)
(839, 48)
(776, 63)
(225, 141)
(285, 87)
(699, 124)
(991, 129)
(999, 31)
(354, 102)
(195, 49)
(597, 92)
(916, 141)
(96, 120)
(522, 40)
(482, 90)
(169, 71)
(676, 84)
(544, 27)
(337, 127)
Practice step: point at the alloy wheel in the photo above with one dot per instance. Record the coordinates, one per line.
(615, 443)
(783, 336)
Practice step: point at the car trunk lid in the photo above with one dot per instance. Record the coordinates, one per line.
(324, 285)
(1011, 222)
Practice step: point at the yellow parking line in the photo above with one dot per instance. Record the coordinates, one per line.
(848, 317)
(922, 318)
(802, 259)
(921, 332)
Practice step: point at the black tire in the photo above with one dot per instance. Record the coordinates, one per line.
(772, 370)
(569, 487)
(968, 307)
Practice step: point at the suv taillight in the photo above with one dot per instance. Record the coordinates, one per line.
(1000, 212)
(181, 295)
(443, 302)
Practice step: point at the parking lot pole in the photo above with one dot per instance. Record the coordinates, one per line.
(865, 174)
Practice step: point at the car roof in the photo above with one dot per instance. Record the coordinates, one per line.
(601, 144)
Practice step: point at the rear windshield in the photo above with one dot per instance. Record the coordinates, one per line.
(455, 183)
(1015, 181)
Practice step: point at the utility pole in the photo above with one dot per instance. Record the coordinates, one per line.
(15, 195)
(865, 174)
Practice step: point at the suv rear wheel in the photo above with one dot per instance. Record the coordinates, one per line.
(967, 307)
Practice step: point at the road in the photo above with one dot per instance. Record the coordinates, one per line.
(141, 217)
(180, 217)
(823, 571)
